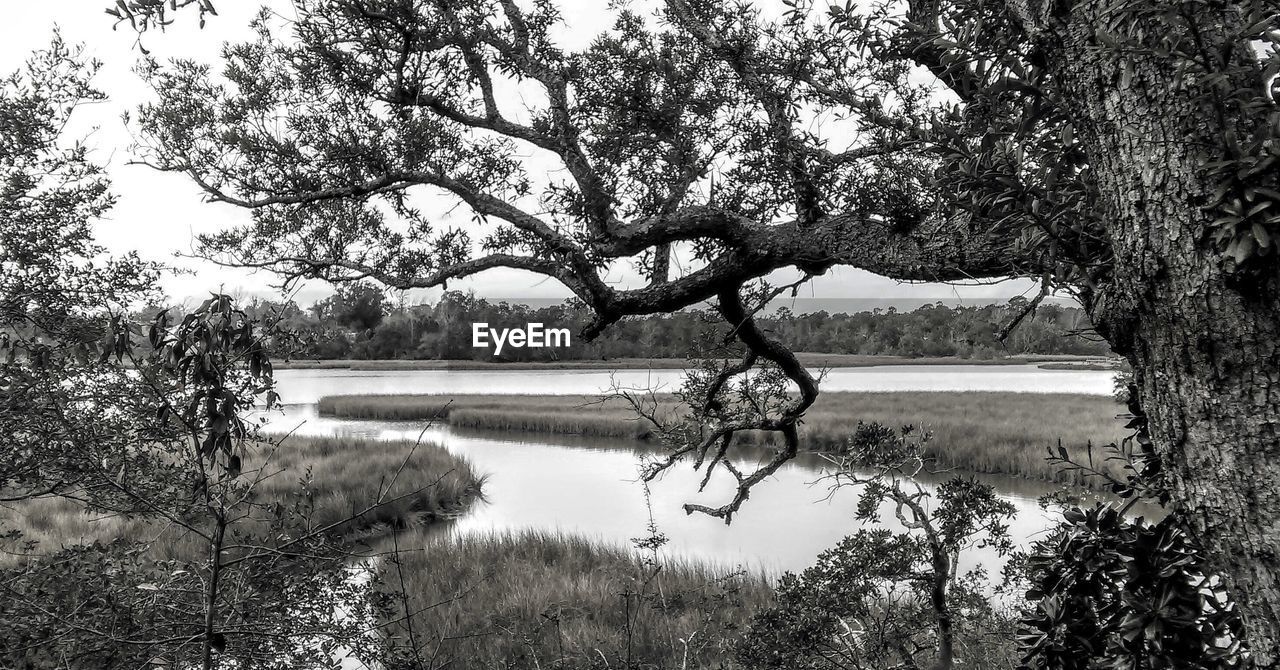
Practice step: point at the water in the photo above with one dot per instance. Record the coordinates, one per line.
(590, 486)
(308, 386)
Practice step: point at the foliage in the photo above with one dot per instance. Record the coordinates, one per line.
(144, 15)
(1110, 591)
(58, 294)
(180, 465)
(151, 427)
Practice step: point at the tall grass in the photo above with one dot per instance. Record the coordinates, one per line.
(990, 432)
(340, 476)
(330, 479)
(535, 599)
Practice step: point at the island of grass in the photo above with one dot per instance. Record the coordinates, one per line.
(988, 432)
(333, 477)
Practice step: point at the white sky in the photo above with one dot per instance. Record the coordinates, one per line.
(158, 213)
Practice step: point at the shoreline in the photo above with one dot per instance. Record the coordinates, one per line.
(812, 360)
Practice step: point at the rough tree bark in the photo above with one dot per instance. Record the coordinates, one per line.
(1204, 343)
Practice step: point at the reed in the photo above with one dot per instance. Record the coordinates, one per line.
(537, 599)
(989, 432)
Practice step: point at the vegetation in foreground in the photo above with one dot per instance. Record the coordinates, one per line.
(885, 599)
(989, 432)
(69, 573)
(544, 600)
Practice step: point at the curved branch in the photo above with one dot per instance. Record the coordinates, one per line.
(759, 344)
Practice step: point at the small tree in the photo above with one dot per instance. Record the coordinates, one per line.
(57, 294)
(882, 599)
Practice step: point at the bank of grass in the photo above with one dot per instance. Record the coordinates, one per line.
(812, 360)
(332, 478)
(544, 600)
(989, 432)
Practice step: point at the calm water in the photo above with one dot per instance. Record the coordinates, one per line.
(307, 386)
(589, 486)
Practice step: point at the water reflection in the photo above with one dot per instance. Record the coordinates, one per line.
(589, 487)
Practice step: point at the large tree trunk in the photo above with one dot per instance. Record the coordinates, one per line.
(1204, 340)
(1209, 372)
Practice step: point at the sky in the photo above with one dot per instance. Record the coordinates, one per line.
(158, 214)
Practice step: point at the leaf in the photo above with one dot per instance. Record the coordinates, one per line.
(1258, 208)
(1241, 249)
(1261, 235)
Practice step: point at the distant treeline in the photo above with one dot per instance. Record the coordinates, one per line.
(359, 322)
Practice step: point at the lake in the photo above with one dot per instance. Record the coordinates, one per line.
(590, 486)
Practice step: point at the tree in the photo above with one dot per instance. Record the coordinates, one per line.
(212, 568)
(1123, 152)
(881, 599)
(356, 306)
(59, 296)
(207, 568)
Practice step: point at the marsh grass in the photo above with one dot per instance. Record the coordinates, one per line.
(537, 599)
(337, 477)
(989, 432)
(326, 480)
